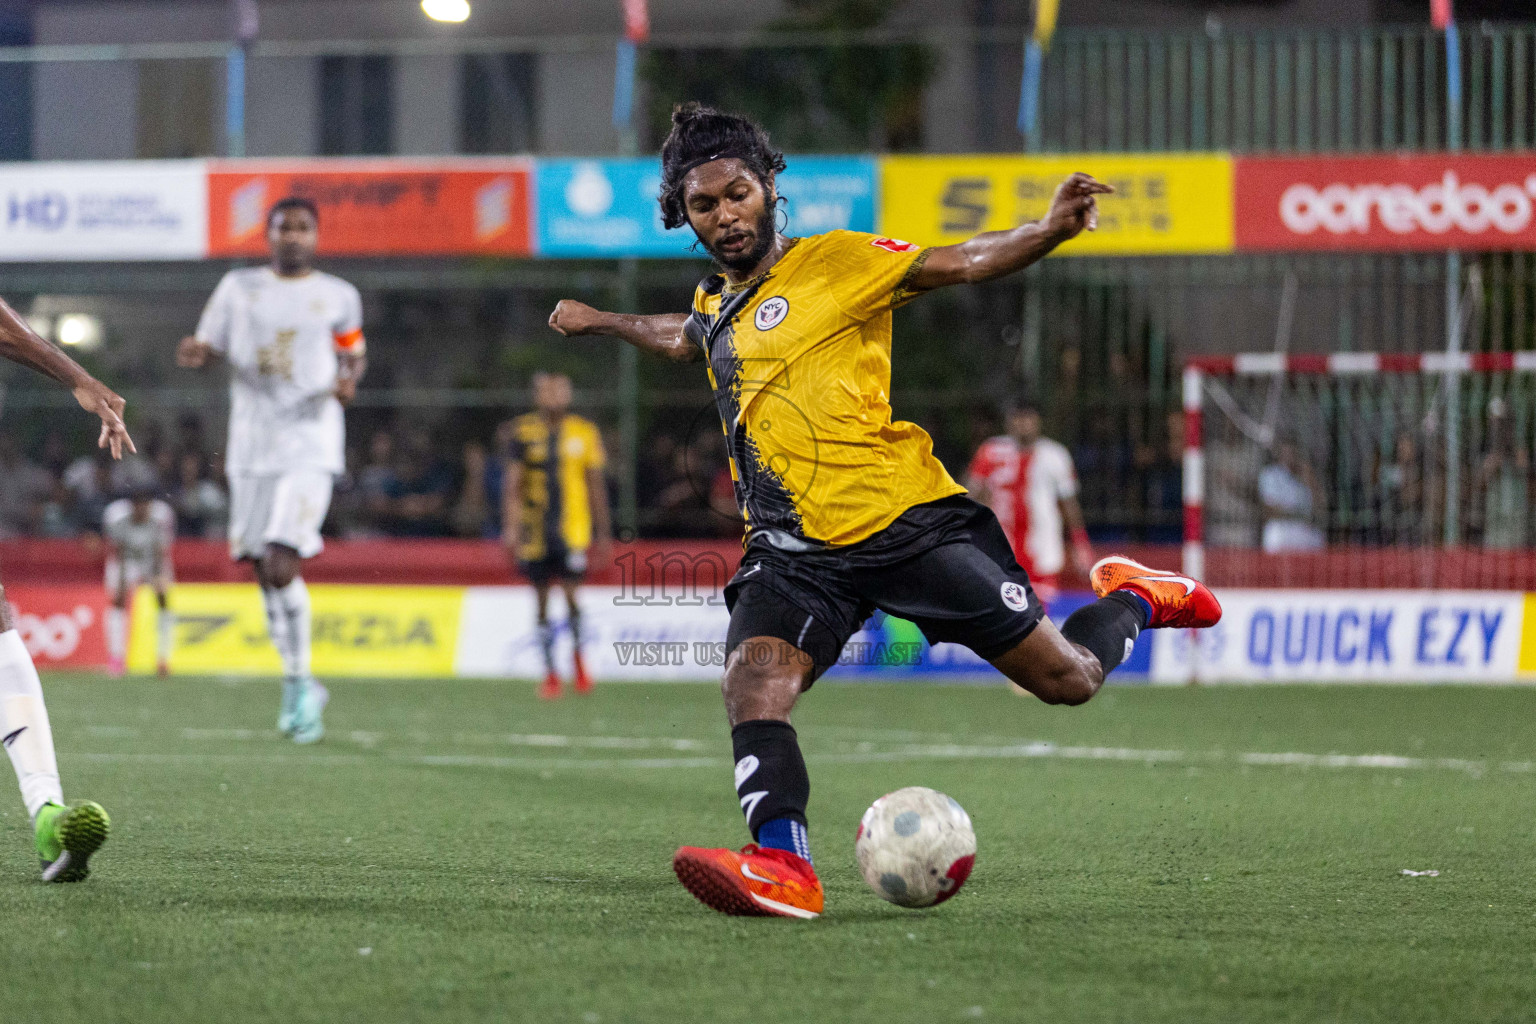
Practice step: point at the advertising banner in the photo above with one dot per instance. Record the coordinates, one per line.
(62, 626)
(221, 629)
(593, 208)
(1163, 202)
(1383, 636)
(1413, 202)
(377, 207)
(120, 210)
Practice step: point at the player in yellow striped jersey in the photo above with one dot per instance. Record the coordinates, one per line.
(846, 508)
(554, 509)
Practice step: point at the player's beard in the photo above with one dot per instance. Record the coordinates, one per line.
(745, 261)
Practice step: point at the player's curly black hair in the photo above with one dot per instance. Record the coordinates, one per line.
(294, 203)
(701, 134)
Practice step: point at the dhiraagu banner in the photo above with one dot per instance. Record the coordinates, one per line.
(1163, 202)
(221, 629)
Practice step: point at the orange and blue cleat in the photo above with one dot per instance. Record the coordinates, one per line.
(1178, 602)
(757, 882)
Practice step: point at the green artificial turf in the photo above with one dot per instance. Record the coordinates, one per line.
(458, 852)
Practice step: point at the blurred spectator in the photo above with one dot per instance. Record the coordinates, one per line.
(202, 508)
(1161, 472)
(1399, 493)
(59, 513)
(471, 516)
(1289, 489)
(376, 481)
(1505, 480)
(26, 486)
(418, 496)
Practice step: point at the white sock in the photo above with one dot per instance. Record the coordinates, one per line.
(294, 599)
(24, 726)
(117, 632)
(166, 622)
(277, 623)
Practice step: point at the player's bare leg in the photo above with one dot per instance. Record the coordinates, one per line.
(287, 601)
(66, 836)
(1067, 666)
(764, 677)
(165, 629)
(117, 630)
(550, 688)
(582, 681)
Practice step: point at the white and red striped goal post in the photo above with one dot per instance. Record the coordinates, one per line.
(1269, 364)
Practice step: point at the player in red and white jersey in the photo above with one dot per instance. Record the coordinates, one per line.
(1029, 483)
(293, 339)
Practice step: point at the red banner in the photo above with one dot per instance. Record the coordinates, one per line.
(377, 208)
(1420, 203)
(61, 625)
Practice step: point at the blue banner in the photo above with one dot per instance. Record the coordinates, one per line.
(608, 208)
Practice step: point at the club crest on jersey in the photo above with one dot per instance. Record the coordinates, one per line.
(895, 245)
(1015, 597)
(771, 313)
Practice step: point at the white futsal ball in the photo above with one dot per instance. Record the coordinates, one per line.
(915, 847)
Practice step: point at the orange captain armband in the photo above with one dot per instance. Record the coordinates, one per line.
(351, 341)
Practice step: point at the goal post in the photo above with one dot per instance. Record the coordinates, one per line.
(1359, 470)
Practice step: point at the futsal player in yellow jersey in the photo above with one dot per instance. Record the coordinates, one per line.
(846, 508)
(554, 508)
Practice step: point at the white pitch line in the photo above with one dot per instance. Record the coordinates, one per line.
(1033, 750)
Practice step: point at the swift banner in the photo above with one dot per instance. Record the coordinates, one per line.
(1163, 202)
(1409, 202)
(377, 207)
(608, 208)
(128, 210)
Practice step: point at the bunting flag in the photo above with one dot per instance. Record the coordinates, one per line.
(1441, 14)
(637, 21)
(637, 29)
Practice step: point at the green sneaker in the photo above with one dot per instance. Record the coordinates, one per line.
(288, 717)
(310, 726)
(66, 838)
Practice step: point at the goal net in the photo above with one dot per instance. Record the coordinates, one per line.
(1361, 470)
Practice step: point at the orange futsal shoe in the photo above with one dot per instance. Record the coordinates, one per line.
(1177, 601)
(583, 681)
(550, 688)
(757, 882)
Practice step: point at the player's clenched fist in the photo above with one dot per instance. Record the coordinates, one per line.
(571, 318)
(192, 354)
(1074, 208)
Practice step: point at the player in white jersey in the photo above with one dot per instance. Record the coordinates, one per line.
(138, 532)
(293, 339)
(65, 836)
(1029, 483)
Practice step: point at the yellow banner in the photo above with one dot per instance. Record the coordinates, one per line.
(1163, 202)
(221, 629)
(1527, 663)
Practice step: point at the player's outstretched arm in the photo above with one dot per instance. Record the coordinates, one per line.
(20, 344)
(997, 253)
(660, 335)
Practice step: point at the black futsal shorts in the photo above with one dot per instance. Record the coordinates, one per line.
(946, 566)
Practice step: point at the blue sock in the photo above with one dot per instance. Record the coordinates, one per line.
(785, 834)
(1144, 603)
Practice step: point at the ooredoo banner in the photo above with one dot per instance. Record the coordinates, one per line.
(122, 210)
(61, 626)
(377, 207)
(1417, 202)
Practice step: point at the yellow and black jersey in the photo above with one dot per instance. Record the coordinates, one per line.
(800, 363)
(556, 506)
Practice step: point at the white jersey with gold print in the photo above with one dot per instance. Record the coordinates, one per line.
(281, 337)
